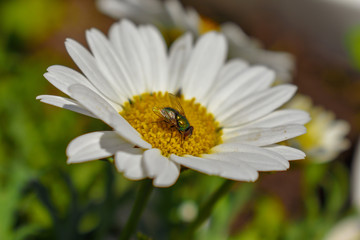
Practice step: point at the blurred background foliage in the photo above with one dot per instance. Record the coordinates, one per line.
(43, 198)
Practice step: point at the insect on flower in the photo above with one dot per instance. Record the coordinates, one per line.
(174, 115)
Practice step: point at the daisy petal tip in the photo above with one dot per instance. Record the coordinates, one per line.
(285, 166)
(126, 23)
(133, 176)
(302, 130)
(160, 184)
(118, 166)
(300, 154)
(91, 32)
(71, 160)
(292, 88)
(254, 177)
(46, 75)
(143, 144)
(305, 117)
(69, 41)
(51, 68)
(147, 145)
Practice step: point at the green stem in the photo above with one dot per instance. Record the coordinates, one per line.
(142, 197)
(206, 209)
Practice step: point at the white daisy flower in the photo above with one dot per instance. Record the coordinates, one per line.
(326, 136)
(230, 106)
(347, 229)
(173, 20)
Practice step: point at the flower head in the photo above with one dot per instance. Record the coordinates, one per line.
(127, 83)
(346, 229)
(173, 20)
(325, 137)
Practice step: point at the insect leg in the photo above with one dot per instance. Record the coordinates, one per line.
(182, 138)
(171, 133)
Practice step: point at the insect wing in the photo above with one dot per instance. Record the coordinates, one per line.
(168, 116)
(174, 101)
(158, 112)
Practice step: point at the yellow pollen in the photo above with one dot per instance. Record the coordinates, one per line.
(160, 134)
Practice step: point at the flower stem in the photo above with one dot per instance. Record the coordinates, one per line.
(206, 209)
(142, 197)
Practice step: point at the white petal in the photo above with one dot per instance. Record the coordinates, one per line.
(229, 71)
(86, 62)
(184, 19)
(205, 61)
(192, 20)
(244, 47)
(116, 9)
(256, 106)
(95, 145)
(164, 171)
(65, 103)
(156, 47)
(178, 58)
(265, 136)
(154, 162)
(168, 176)
(259, 158)
(63, 77)
(235, 34)
(281, 117)
(140, 11)
(247, 82)
(288, 153)
(130, 162)
(239, 171)
(109, 64)
(179, 15)
(100, 108)
(275, 119)
(256, 161)
(132, 52)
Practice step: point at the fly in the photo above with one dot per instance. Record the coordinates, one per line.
(174, 115)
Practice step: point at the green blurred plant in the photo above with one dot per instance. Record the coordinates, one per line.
(352, 42)
(30, 20)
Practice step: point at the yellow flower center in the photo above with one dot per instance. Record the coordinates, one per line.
(171, 34)
(167, 137)
(207, 25)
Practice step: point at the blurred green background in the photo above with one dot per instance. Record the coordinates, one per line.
(41, 197)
